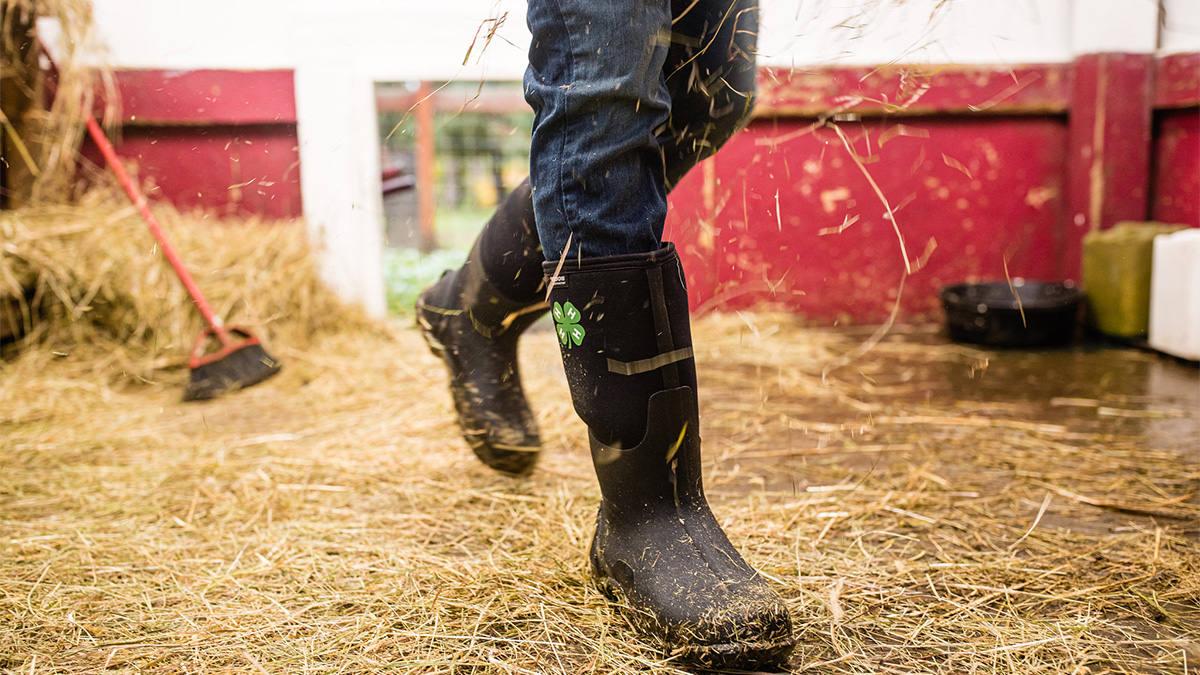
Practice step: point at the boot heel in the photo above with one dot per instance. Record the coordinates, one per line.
(425, 328)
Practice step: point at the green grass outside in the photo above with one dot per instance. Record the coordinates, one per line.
(407, 271)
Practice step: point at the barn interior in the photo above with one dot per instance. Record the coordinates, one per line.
(923, 499)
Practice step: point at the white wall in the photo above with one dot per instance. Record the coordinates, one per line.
(417, 39)
(385, 39)
(867, 32)
(339, 48)
(1181, 27)
(1114, 26)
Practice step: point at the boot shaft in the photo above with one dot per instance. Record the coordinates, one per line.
(508, 249)
(499, 289)
(623, 329)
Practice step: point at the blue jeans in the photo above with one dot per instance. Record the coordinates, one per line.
(628, 95)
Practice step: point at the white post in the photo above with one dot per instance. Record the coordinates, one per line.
(339, 176)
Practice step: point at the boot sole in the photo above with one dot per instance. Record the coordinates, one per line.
(716, 656)
(480, 447)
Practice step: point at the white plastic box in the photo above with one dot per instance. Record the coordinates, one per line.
(1175, 294)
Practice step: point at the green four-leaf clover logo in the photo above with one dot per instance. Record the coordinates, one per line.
(566, 320)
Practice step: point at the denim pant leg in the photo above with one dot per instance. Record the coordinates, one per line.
(710, 72)
(597, 87)
(710, 78)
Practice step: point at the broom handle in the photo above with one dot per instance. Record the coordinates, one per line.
(135, 195)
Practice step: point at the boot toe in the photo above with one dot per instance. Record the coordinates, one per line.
(705, 621)
(500, 451)
(742, 626)
(756, 635)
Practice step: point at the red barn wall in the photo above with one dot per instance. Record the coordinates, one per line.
(818, 239)
(218, 140)
(989, 171)
(1176, 182)
(1177, 167)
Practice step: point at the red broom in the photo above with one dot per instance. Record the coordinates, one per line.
(239, 359)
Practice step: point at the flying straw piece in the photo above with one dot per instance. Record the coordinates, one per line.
(878, 193)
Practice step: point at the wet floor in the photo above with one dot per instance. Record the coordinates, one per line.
(1101, 390)
(1088, 424)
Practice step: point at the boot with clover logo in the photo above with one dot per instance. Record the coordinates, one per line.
(626, 344)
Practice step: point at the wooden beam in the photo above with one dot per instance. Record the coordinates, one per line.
(1177, 81)
(205, 97)
(500, 102)
(1108, 147)
(900, 90)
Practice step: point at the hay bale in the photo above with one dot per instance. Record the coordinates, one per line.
(89, 282)
(10, 320)
(41, 133)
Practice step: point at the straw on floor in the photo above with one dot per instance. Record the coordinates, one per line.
(917, 512)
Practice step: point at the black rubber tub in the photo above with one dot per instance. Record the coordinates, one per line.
(989, 313)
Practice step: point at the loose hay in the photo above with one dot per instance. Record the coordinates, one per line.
(924, 507)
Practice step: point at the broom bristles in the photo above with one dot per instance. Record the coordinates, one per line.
(244, 367)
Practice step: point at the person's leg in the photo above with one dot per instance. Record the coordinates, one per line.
(709, 70)
(596, 82)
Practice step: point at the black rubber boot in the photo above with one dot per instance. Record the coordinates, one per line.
(472, 317)
(623, 327)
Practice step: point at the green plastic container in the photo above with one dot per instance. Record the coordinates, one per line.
(1116, 276)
